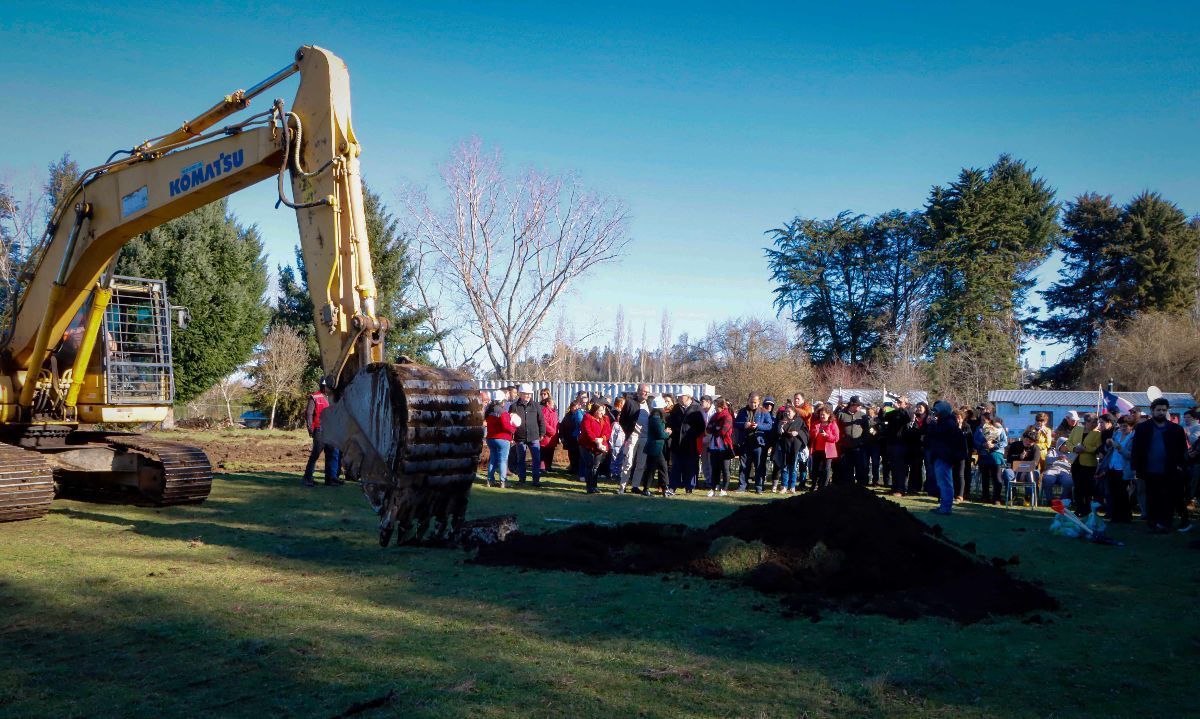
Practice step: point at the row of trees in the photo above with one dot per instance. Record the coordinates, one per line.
(946, 287)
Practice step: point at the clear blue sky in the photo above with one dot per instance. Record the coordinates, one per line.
(713, 122)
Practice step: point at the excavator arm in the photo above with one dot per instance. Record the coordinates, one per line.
(410, 434)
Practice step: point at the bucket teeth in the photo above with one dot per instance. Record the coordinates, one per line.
(412, 435)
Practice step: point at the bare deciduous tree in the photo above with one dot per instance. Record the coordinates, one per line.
(504, 250)
(664, 348)
(278, 366)
(748, 355)
(902, 366)
(1154, 348)
(615, 369)
(231, 390)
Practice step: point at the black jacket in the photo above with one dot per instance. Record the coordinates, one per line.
(533, 424)
(945, 440)
(855, 429)
(893, 425)
(629, 414)
(686, 426)
(787, 442)
(1175, 441)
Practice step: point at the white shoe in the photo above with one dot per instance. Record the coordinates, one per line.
(724, 493)
(711, 493)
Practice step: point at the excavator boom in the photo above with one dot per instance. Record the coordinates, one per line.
(410, 434)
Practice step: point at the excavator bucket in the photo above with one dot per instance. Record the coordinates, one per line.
(412, 435)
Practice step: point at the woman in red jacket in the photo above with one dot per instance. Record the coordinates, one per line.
(824, 436)
(593, 443)
(550, 438)
(718, 437)
(499, 438)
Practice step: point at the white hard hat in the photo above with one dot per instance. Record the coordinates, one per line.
(516, 419)
(499, 395)
(658, 403)
(525, 388)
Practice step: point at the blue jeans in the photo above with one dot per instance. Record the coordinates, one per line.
(1050, 480)
(788, 478)
(497, 460)
(535, 456)
(754, 467)
(333, 457)
(943, 472)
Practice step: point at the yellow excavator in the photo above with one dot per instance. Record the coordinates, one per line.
(83, 346)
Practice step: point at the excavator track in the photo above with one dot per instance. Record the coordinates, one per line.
(163, 473)
(26, 484)
(186, 472)
(412, 435)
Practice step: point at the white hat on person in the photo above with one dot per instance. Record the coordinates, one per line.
(658, 403)
(1073, 415)
(499, 395)
(525, 388)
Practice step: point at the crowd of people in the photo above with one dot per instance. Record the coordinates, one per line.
(662, 445)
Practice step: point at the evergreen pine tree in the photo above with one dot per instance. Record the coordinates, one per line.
(393, 274)
(1119, 262)
(991, 229)
(215, 268)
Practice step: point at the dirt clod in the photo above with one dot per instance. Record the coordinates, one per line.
(842, 548)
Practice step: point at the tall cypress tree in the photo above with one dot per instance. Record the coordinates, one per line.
(215, 268)
(408, 335)
(849, 283)
(991, 229)
(393, 275)
(60, 177)
(1118, 262)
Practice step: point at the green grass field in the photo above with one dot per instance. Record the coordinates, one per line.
(274, 600)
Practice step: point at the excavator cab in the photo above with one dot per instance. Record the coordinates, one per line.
(136, 350)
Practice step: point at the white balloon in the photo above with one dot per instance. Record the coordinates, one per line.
(1153, 393)
(516, 419)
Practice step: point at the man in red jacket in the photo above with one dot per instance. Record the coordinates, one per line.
(318, 402)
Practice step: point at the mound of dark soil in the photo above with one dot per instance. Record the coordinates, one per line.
(841, 548)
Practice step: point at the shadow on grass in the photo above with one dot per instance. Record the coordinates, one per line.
(285, 605)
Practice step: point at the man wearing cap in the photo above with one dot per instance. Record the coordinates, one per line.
(528, 436)
(633, 419)
(1068, 425)
(854, 428)
(687, 424)
(318, 402)
(751, 428)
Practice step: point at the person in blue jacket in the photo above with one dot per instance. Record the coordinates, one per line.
(944, 442)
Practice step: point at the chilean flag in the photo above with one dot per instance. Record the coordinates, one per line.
(1116, 404)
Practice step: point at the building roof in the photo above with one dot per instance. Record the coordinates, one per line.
(1083, 398)
(875, 396)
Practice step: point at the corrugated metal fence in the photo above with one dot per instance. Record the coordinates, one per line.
(564, 392)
